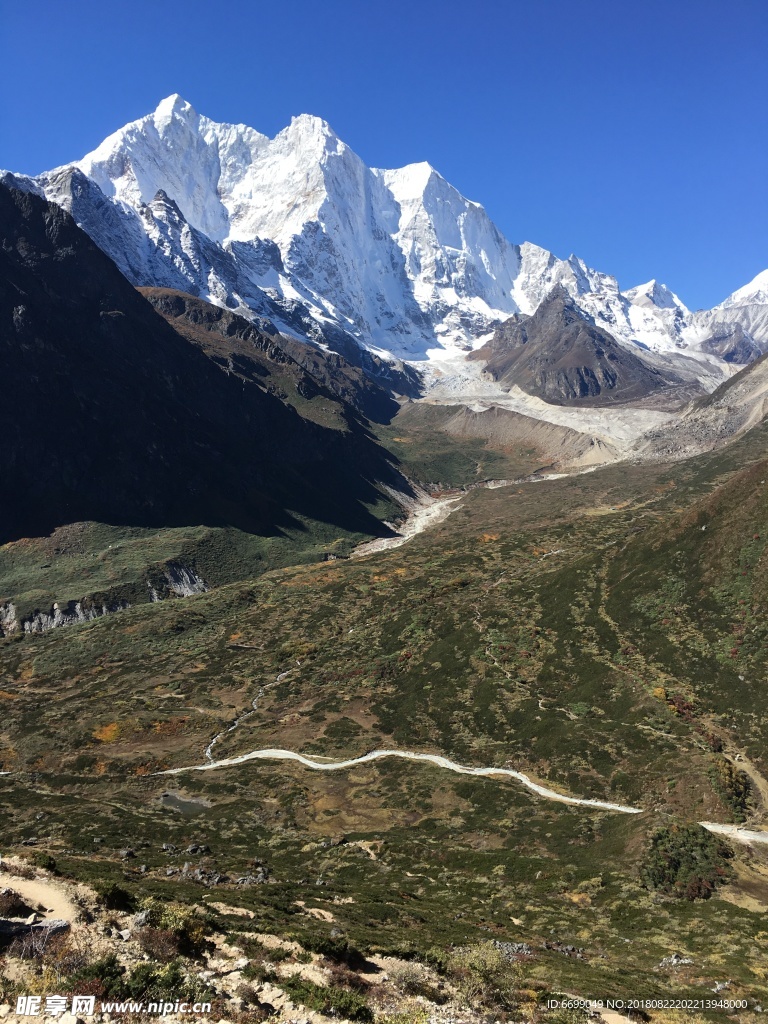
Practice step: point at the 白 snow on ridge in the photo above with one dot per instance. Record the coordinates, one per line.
(736, 329)
(299, 231)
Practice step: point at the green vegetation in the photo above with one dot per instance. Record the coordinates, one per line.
(115, 897)
(420, 439)
(733, 785)
(113, 566)
(334, 1001)
(175, 928)
(485, 976)
(582, 630)
(146, 982)
(688, 862)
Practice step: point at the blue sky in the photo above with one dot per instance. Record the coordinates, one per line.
(631, 133)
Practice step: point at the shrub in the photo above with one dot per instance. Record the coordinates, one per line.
(256, 971)
(18, 870)
(175, 925)
(485, 976)
(733, 785)
(147, 982)
(412, 1015)
(43, 860)
(336, 1002)
(336, 949)
(341, 977)
(686, 861)
(103, 977)
(411, 980)
(115, 897)
(160, 943)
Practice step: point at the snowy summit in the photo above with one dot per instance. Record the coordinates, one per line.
(297, 229)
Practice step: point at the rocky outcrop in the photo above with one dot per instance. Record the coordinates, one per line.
(176, 580)
(732, 343)
(69, 614)
(8, 622)
(561, 356)
(254, 351)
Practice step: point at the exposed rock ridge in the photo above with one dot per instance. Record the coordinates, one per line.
(561, 356)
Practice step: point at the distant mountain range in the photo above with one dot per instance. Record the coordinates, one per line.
(383, 266)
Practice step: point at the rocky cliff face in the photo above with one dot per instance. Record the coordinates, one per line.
(282, 363)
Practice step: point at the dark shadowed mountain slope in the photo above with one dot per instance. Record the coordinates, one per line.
(107, 413)
(294, 370)
(559, 355)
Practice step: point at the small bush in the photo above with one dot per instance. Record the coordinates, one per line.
(337, 950)
(733, 785)
(485, 976)
(686, 861)
(115, 897)
(147, 982)
(18, 870)
(160, 943)
(341, 977)
(175, 925)
(101, 978)
(336, 1002)
(411, 980)
(259, 971)
(43, 860)
(248, 994)
(412, 1015)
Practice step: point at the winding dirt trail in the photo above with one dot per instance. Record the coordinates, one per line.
(425, 512)
(42, 892)
(277, 754)
(741, 835)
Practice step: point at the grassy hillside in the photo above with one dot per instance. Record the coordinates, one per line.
(581, 629)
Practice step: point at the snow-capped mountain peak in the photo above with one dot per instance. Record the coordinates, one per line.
(754, 292)
(299, 229)
(309, 129)
(654, 294)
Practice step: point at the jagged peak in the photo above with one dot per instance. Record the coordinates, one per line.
(414, 181)
(162, 203)
(654, 293)
(313, 122)
(756, 291)
(312, 132)
(174, 104)
(532, 250)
